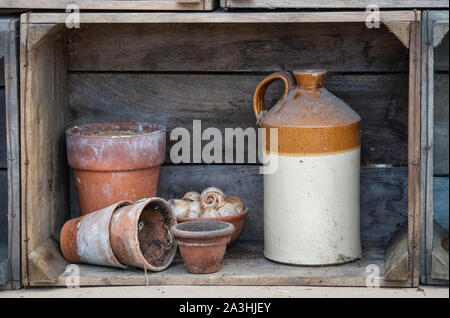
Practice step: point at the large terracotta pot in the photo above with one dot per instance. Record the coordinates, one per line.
(115, 161)
(311, 198)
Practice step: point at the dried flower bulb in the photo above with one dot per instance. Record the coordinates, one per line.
(180, 208)
(194, 210)
(212, 198)
(228, 209)
(191, 196)
(237, 203)
(210, 213)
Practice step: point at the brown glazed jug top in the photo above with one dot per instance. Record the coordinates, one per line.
(309, 105)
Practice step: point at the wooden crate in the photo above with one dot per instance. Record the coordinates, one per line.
(155, 5)
(211, 75)
(333, 4)
(435, 153)
(10, 272)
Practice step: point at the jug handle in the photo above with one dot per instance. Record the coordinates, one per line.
(260, 92)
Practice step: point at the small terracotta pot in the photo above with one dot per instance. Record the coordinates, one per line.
(202, 244)
(140, 234)
(115, 161)
(87, 239)
(236, 220)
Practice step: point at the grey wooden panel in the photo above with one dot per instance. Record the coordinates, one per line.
(441, 55)
(383, 195)
(226, 101)
(333, 4)
(341, 47)
(441, 121)
(441, 201)
(3, 147)
(3, 206)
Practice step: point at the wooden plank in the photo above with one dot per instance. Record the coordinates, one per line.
(333, 4)
(11, 43)
(235, 48)
(224, 17)
(43, 118)
(243, 265)
(3, 152)
(427, 110)
(383, 196)
(414, 153)
(168, 5)
(221, 101)
(441, 201)
(3, 207)
(441, 124)
(441, 55)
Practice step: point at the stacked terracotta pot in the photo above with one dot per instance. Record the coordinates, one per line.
(122, 234)
(114, 165)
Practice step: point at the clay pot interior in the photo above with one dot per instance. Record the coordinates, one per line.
(155, 241)
(115, 129)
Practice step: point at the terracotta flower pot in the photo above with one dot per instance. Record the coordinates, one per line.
(122, 234)
(87, 239)
(140, 234)
(236, 220)
(202, 244)
(115, 161)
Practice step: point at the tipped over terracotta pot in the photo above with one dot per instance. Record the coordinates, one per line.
(202, 244)
(122, 234)
(115, 161)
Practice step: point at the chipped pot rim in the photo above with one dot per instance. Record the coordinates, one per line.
(158, 129)
(178, 231)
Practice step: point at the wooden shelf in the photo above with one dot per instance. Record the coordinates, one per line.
(222, 17)
(244, 264)
(333, 4)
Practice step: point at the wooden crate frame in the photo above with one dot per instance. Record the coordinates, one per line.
(434, 28)
(155, 5)
(9, 49)
(332, 4)
(38, 28)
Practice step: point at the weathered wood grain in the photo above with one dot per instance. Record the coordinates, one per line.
(3, 206)
(3, 148)
(333, 4)
(175, 100)
(244, 265)
(223, 17)
(168, 5)
(234, 48)
(441, 124)
(441, 55)
(383, 195)
(441, 201)
(43, 117)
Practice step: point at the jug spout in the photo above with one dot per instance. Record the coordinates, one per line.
(309, 78)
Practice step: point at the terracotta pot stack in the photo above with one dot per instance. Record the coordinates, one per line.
(122, 234)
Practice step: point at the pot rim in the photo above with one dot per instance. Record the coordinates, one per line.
(159, 129)
(178, 233)
(144, 202)
(241, 215)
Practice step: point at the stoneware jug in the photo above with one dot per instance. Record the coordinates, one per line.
(311, 201)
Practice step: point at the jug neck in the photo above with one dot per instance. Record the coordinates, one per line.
(309, 78)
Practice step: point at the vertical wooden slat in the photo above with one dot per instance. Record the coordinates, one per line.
(414, 152)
